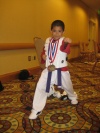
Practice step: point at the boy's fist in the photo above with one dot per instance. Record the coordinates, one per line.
(67, 40)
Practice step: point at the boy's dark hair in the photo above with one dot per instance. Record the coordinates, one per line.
(58, 23)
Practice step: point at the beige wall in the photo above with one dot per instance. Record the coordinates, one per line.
(21, 20)
(15, 60)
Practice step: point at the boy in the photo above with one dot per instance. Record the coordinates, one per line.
(56, 72)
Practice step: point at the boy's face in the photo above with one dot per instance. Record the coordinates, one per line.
(57, 32)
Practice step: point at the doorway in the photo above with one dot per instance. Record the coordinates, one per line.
(92, 34)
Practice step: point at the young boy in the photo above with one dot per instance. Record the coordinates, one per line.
(56, 49)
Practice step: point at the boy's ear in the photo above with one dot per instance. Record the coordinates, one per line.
(63, 32)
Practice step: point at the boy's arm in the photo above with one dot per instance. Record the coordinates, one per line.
(42, 54)
(65, 47)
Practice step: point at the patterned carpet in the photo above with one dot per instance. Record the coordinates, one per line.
(58, 116)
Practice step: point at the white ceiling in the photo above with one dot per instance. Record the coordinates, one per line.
(93, 4)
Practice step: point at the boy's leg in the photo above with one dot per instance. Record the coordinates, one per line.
(40, 96)
(68, 87)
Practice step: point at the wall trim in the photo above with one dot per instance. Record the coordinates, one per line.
(75, 44)
(14, 46)
(14, 75)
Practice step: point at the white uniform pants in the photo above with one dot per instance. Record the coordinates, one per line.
(40, 95)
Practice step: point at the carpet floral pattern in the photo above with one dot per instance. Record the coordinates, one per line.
(58, 116)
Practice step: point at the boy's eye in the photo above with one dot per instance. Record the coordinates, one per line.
(56, 31)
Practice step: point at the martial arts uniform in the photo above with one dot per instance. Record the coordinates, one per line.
(56, 53)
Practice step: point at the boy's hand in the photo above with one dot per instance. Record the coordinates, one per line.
(67, 40)
(44, 57)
